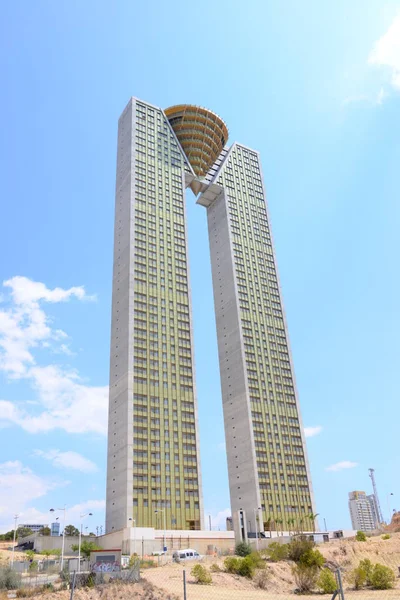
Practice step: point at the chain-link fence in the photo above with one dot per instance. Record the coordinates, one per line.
(343, 570)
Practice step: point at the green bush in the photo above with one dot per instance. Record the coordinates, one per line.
(243, 549)
(257, 560)
(298, 547)
(240, 566)
(246, 567)
(305, 577)
(312, 558)
(277, 551)
(382, 577)
(201, 575)
(326, 582)
(357, 577)
(361, 537)
(368, 567)
(9, 579)
(215, 568)
(231, 564)
(386, 536)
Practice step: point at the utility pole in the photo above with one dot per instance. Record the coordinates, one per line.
(15, 534)
(378, 506)
(209, 521)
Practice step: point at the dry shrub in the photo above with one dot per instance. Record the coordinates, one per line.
(262, 579)
(305, 577)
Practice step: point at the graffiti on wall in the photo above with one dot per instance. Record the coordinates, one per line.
(106, 567)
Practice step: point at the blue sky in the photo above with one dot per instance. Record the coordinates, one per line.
(315, 87)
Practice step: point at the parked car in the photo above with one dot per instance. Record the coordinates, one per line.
(187, 554)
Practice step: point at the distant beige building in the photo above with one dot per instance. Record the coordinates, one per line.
(361, 514)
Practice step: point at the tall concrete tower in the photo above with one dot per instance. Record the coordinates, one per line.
(153, 453)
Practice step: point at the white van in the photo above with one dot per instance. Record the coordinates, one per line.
(187, 554)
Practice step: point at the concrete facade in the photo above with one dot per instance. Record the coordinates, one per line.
(153, 443)
(240, 449)
(153, 470)
(269, 476)
(120, 415)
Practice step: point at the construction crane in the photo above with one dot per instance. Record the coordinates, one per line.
(378, 506)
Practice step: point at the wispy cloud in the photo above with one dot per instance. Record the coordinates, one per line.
(386, 52)
(68, 460)
(312, 431)
(218, 520)
(372, 100)
(340, 466)
(19, 486)
(65, 402)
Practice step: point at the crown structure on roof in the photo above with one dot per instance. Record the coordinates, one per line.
(201, 133)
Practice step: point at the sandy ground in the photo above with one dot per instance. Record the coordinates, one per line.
(345, 554)
(5, 555)
(167, 581)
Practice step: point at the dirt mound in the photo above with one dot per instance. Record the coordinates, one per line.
(395, 523)
(113, 591)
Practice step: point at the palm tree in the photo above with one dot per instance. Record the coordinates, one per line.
(313, 517)
(291, 523)
(268, 525)
(301, 522)
(279, 522)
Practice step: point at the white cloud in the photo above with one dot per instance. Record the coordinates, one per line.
(218, 521)
(68, 460)
(340, 466)
(386, 52)
(65, 402)
(312, 431)
(381, 96)
(19, 485)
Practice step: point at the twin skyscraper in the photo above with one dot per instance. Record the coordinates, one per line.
(153, 439)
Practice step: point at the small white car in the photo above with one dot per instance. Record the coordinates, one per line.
(186, 554)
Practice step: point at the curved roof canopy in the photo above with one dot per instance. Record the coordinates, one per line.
(201, 133)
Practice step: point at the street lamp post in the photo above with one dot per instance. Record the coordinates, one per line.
(15, 534)
(80, 539)
(163, 512)
(134, 534)
(388, 503)
(256, 516)
(63, 533)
